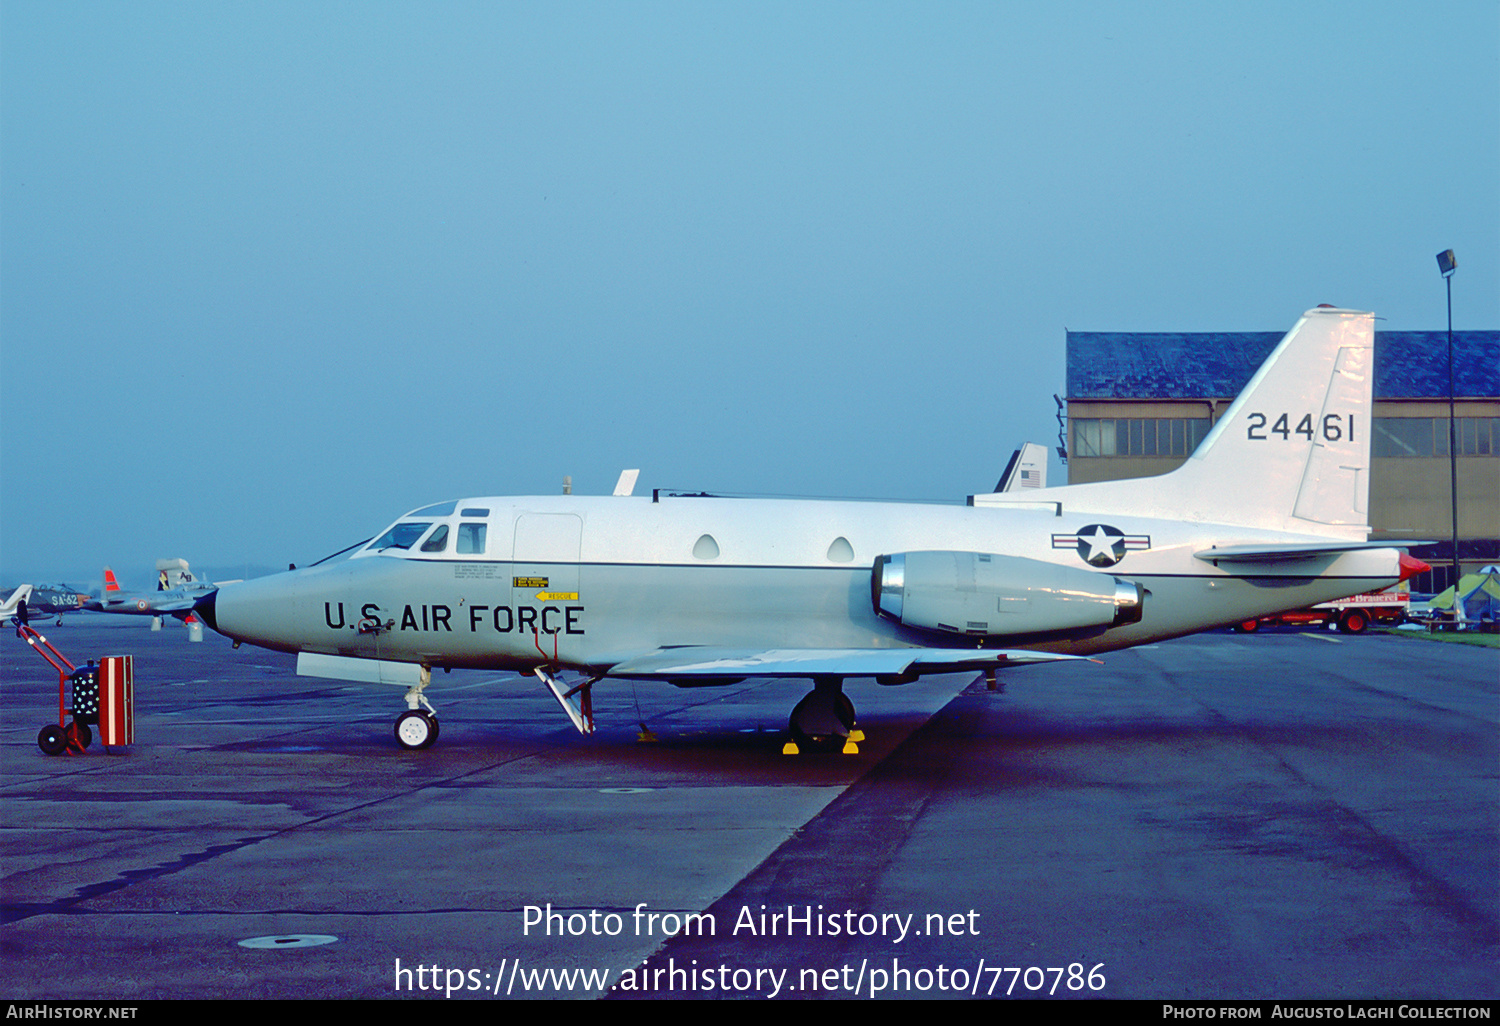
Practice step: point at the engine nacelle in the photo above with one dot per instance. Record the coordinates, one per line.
(984, 595)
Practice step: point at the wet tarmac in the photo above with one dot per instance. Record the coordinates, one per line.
(1288, 815)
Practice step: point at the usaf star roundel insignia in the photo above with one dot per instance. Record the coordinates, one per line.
(1101, 545)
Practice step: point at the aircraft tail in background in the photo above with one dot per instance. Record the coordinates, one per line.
(1026, 470)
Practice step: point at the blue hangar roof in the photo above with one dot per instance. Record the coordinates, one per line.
(1216, 365)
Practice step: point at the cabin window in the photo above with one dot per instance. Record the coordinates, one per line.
(471, 539)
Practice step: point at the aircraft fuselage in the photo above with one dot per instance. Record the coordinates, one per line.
(588, 581)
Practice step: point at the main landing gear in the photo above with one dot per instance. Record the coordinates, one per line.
(824, 721)
(417, 727)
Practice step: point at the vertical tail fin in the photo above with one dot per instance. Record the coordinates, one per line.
(1027, 469)
(110, 584)
(1293, 450)
(170, 573)
(1292, 453)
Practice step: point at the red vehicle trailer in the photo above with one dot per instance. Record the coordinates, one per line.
(1352, 615)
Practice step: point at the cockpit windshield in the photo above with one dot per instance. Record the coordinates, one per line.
(402, 536)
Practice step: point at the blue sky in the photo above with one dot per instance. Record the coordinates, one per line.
(273, 273)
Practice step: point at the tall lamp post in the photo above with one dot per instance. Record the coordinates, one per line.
(1446, 265)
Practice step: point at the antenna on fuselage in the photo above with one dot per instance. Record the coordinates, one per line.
(626, 484)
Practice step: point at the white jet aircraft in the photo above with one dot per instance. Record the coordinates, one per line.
(1268, 514)
(11, 605)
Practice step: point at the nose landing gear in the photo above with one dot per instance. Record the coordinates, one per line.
(417, 727)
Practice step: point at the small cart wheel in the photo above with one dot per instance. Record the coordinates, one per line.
(52, 739)
(82, 734)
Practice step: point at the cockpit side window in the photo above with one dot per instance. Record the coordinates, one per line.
(437, 541)
(471, 539)
(401, 536)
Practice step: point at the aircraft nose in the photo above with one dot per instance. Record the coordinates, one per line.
(285, 611)
(260, 611)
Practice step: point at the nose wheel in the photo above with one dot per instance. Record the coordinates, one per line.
(416, 728)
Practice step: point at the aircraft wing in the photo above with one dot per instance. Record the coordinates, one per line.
(710, 663)
(180, 604)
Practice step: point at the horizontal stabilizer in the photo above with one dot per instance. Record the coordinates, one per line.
(711, 663)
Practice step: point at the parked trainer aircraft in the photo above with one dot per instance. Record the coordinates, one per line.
(44, 599)
(176, 592)
(1267, 515)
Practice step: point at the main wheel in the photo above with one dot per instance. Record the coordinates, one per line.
(415, 729)
(845, 712)
(822, 721)
(52, 739)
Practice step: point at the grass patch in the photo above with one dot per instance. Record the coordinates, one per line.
(1454, 637)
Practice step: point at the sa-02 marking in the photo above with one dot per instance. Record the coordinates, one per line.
(1333, 427)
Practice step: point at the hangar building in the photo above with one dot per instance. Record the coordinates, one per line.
(1139, 403)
